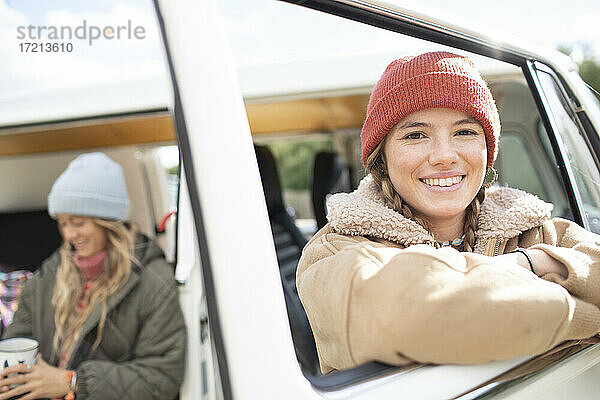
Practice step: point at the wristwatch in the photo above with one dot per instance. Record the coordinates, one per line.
(72, 376)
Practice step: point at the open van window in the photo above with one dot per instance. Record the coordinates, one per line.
(577, 147)
(524, 160)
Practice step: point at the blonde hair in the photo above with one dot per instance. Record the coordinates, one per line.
(376, 166)
(69, 286)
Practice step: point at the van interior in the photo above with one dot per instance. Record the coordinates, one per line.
(33, 157)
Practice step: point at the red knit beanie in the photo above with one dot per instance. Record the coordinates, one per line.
(429, 80)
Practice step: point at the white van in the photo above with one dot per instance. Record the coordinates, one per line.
(235, 243)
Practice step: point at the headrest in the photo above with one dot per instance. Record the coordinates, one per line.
(327, 169)
(270, 179)
(330, 175)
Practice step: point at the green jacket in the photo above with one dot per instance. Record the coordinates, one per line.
(142, 351)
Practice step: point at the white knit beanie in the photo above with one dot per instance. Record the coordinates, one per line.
(93, 185)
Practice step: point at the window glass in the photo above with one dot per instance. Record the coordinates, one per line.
(556, 190)
(526, 161)
(169, 158)
(514, 160)
(583, 165)
(81, 77)
(590, 97)
(69, 59)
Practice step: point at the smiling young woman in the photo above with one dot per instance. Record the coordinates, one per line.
(85, 236)
(423, 257)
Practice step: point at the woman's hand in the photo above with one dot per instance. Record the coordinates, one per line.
(38, 381)
(542, 262)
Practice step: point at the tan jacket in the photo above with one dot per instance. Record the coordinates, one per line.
(369, 296)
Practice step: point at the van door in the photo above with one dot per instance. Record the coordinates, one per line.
(246, 309)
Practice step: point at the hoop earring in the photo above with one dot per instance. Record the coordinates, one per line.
(491, 176)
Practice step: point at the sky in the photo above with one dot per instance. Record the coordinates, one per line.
(548, 23)
(544, 22)
(277, 47)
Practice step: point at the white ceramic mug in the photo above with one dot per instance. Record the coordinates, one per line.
(18, 351)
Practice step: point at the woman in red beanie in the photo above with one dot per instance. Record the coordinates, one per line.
(425, 262)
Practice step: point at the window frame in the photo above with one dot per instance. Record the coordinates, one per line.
(552, 128)
(186, 163)
(577, 113)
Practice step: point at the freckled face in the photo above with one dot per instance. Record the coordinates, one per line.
(86, 237)
(436, 160)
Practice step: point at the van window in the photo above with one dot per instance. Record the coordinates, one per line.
(60, 68)
(169, 158)
(322, 88)
(517, 166)
(580, 158)
(82, 77)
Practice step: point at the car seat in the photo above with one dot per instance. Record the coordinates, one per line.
(289, 243)
(330, 175)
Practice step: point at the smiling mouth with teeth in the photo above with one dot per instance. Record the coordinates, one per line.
(443, 181)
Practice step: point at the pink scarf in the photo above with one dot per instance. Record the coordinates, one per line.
(91, 267)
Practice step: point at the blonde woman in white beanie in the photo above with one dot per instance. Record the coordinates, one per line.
(103, 307)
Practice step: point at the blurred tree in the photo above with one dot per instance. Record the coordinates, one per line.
(589, 68)
(295, 158)
(590, 72)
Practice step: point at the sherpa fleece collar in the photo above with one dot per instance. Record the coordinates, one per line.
(505, 212)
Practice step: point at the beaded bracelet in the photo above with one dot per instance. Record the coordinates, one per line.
(527, 256)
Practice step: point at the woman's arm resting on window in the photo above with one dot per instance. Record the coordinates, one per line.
(578, 250)
(434, 305)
